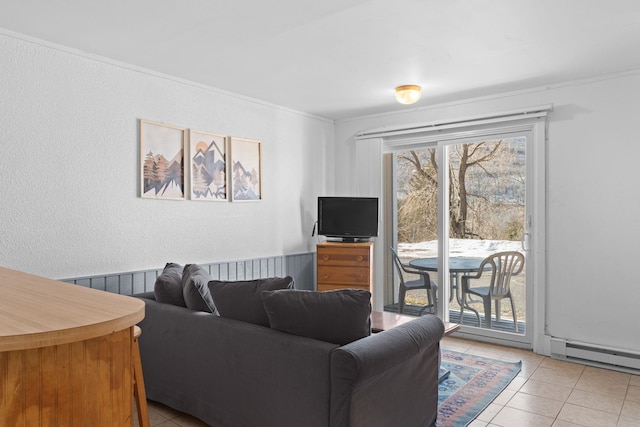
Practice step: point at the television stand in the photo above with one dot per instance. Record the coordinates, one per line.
(342, 265)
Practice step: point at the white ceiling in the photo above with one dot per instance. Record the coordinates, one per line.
(343, 58)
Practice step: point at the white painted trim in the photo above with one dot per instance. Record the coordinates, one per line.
(442, 154)
(532, 122)
(458, 123)
(460, 136)
(152, 73)
(542, 344)
(500, 95)
(534, 129)
(539, 233)
(491, 340)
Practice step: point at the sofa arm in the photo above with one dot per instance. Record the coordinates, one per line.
(389, 378)
(146, 295)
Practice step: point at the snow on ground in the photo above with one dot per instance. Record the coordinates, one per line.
(458, 247)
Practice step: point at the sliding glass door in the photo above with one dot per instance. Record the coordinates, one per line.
(456, 202)
(487, 216)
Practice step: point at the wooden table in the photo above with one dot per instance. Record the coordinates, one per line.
(65, 353)
(384, 320)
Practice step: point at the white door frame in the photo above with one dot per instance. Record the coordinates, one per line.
(432, 134)
(534, 238)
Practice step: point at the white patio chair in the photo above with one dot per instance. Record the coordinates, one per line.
(502, 266)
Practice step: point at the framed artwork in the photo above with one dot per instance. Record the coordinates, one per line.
(162, 157)
(208, 163)
(246, 170)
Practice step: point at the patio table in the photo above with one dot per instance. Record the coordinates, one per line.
(457, 265)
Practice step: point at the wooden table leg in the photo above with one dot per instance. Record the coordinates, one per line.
(138, 390)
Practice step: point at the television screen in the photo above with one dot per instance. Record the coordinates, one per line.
(348, 218)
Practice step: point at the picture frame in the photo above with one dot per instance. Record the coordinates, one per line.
(246, 170)
(208, 166)
(162, 149)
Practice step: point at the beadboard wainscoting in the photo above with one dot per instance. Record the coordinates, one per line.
(298, 266)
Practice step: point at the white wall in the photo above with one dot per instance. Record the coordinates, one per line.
(69, 169)
(592, 199)
(69, 174)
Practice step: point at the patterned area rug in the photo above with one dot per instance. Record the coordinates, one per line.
(472, 385)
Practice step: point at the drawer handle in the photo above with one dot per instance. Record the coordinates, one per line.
(360, 277)
(325, 257)
(359, 258)
(326, 276)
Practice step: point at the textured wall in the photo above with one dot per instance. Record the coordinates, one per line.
(592, 200)
(69, 169)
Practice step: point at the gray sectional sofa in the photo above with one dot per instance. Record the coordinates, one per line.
(234, 373)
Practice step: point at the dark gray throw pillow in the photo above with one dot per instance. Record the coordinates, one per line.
(340, 316)
(168, 286)
(195, 290)
(242, 300)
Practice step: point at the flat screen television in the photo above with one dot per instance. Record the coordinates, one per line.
(348, 218)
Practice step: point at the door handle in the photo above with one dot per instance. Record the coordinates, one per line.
(525, 241)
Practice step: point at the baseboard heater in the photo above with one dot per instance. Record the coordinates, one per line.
(592, 354)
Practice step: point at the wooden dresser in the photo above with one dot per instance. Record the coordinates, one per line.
(65, 353)
(345, 265)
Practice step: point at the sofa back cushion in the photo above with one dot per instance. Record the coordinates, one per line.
(195, 290)
(168, 286)
(339, 316)
(242, 300)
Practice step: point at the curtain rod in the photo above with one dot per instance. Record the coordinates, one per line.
(532, 112)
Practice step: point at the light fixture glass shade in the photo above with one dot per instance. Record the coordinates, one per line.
(408, 94)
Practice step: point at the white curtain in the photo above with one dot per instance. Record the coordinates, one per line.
(368, 183)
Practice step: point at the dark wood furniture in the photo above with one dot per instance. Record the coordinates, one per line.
(383, 320)
(345, 265)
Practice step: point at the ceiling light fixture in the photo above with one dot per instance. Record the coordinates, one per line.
(408, 94)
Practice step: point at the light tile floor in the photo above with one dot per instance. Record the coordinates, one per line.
(546, 393)
(554, 393)
(163, 416)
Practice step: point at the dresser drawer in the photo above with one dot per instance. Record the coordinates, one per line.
(343, 265)
(343, 276)
(323, 288)
(343, 257)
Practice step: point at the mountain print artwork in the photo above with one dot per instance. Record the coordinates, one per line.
(246, 181)
(208, 166)
(162, 160)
